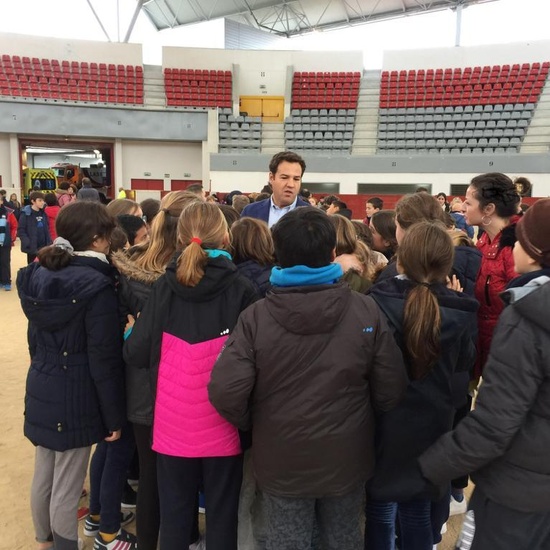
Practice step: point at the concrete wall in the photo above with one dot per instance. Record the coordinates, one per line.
(71, 50)
(162, 160)
(434, 58)
(251, 173)
(253, 68)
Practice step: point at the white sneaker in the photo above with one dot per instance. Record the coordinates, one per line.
(199, 545)
(444, 528)
(456, 508)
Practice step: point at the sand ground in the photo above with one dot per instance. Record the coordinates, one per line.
(16, 452)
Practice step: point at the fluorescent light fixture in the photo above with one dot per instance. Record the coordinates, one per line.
(48, 150)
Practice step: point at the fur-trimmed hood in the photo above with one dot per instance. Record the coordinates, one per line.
(126, 266)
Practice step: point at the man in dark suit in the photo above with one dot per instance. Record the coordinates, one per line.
(285, 177)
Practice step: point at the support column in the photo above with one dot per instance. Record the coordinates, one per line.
(118, 173)
(15, 165)
(458, 25)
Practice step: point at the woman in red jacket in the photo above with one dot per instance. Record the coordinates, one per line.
(492, 203)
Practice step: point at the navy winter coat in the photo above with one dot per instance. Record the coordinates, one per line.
(428, 408)
(74, 392)
(27, 230)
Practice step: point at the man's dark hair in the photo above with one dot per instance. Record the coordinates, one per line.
(36, 195)
(339, 204)
(286, 156)
(267, 190)
(421, 190)
(86, 182)
(304, 236)
(304, 193)
(262, 197)
(131, 225)
(376, 203)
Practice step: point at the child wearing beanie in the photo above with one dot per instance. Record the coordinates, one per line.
(532, 248)
(503, 443)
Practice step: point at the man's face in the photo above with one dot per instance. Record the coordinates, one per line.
(370, 210)
(286, 183)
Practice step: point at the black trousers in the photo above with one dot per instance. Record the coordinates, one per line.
(179, 480)
(148, 507)
(5, 265)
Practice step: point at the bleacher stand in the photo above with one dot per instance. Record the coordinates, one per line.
(70, 81)
(323, 112)
(461, 110)
(239, 133)
(198, 88)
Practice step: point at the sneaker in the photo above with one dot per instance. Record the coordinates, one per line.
(91, 527)
(444, 528)
(123, 541)
(199, 545)
(7, 288)
(456, 507)
(129, 497)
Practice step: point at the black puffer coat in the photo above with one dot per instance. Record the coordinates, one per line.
(505, 440)
(134, 288)
(428, 408)
(75, 391)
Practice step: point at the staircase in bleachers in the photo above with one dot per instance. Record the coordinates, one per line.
(239, 133)
(198, 88)
(469, 110)
(70, 81)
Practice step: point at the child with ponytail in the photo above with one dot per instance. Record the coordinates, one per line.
(74, 388)
(190, 313)
(433, 326)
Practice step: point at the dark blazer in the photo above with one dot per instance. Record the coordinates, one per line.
(260, 210)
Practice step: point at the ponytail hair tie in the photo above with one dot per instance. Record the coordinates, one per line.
(195, 240)
(64, 244)
(427, 285)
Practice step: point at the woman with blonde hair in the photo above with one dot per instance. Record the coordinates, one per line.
(435, 329)
(139, 268)
(348, 243)
(188, 317)
(253, 251)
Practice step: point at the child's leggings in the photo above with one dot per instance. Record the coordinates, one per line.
(55, 492)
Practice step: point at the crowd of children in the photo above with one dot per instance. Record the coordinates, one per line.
(310, 391)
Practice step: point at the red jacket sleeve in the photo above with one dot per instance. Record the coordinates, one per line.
(12, 220)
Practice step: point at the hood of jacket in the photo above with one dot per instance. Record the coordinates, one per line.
(51, 299)
(314, 309)
(456, 307)
(124, 262)
(532, 300)
(219, 274)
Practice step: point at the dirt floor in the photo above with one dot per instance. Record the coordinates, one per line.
(17, 453)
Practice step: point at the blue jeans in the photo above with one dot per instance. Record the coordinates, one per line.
(108, 469)
(415, 527)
